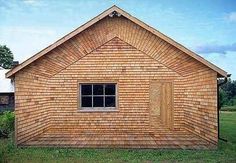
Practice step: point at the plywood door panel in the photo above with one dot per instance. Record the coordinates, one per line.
(161, 107)
(167, 104)
(163, 104)
(155, 102)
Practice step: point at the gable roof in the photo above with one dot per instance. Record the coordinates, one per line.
(221, 73)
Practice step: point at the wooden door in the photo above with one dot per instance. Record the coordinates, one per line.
(155, 102)
(161, 107)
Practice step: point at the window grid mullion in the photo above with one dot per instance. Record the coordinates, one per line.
(104, 95)
(92, 96)
(80, 93)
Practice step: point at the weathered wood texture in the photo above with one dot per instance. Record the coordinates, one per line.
(161, 103)
(113, 61)
(200, 113)
(31, 104)
(77, 139)
(116, 49)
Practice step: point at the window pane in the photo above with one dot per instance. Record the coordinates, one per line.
(86, 102)
(86, 89)
(110, 89)
(98, 102)
(110, 101)
(98, 89)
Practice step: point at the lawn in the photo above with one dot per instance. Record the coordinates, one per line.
(225, 153)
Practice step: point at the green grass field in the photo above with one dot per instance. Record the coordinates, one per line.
(225, 153)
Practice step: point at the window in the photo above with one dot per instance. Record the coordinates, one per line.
(98, 96)
(4, 100)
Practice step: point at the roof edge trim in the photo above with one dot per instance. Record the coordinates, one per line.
(128, 16)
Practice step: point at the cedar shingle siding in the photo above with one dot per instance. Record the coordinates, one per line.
(166, 98)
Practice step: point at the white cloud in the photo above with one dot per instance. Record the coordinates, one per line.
(215, 48)
(30, 1)
(35, 3)
(224, 61)
(232, 16)
(26, 41)
(28, 30)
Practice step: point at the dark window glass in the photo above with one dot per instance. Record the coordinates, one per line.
(110, 101)
(86, 102)
(98, 95)
(86, 89)
(98, 102)
(98, 89)
(110, 89)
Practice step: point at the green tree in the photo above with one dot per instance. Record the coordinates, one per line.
(228, 93)
(223, 98)
(6, 57)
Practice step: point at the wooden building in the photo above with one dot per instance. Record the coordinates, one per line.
(6, 92)
(116, 82)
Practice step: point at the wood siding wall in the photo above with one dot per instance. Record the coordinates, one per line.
(200, 113)
(30, 104)
(114, 61)
(114, 49)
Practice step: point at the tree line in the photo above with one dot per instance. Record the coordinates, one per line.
(6, 57)
(227, 93)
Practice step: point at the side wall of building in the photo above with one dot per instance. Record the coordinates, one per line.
(200, 113)
(30, 104)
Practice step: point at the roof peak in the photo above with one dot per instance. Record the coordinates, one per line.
(114, 6)
(119, 12)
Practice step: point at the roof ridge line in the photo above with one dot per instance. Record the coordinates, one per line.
(131, 18)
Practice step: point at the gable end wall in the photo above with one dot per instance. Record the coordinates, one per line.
(36, 97)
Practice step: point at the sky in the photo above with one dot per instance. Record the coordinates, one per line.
(204, 26)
